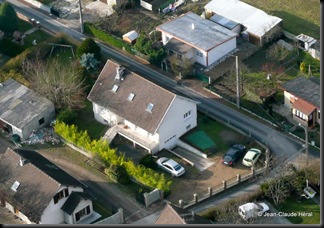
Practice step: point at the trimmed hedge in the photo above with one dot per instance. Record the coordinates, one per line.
(102, 35)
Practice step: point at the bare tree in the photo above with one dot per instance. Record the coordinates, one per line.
(60, 83)
(183, 66)
(277, 52)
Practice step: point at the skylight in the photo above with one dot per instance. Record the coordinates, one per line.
(131, 96)
(150, 107)
(115, 87)
(15, 186)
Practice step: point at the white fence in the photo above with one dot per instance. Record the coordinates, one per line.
(153, 196)
(117, 218)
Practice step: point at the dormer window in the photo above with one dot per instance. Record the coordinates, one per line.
(115, 88)
(131, 96)
(15, 186)
(150, 107)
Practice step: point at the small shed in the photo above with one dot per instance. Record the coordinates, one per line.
(130, 37)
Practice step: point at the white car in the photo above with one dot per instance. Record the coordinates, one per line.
(251, 157)
(252, 210)
(171, 166)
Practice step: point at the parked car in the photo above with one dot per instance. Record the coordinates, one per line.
(233, 154)
(251, 157)
(171, 166)
(252, 210)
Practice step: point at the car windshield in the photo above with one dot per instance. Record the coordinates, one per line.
(177, 167)
(227, 158)
(247, 159)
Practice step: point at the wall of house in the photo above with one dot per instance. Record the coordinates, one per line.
(141, 132)
(48, 114)
(221, 50)
(174, 124)
(70, 219)
(53, 213)
(200, 57)
(17, 213)
(104, 116)
(165, 38)
(287, 96)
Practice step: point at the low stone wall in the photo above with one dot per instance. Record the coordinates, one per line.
(117, 218)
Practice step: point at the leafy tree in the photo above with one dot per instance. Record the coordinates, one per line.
(60, 83)
(67, 116)
(141, 41)
(8, 17)
(89, 46)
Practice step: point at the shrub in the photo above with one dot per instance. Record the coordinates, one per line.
(67, 116)
(8, 14)
(148, 161)
(9, 48)
(89, 46)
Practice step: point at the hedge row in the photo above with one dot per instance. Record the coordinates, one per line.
(102, 35)
(101, 148)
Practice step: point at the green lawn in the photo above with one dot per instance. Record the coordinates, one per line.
(306, 205)
(24, 26)
(299, 16)
(39, 35)
(87, 122)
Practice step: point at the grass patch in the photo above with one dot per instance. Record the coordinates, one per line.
(306, 205)
(86, 121)
(24, 26)
(298, 16)
(39, 35)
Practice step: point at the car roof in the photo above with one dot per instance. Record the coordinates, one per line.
(170, 162)
(251, 153)
(231, 151)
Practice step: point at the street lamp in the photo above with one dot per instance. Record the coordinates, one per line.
(306, 142)
(237, 84)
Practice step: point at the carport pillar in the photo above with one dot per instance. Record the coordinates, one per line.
(238, 178)
(121, 213)
(181, 203)
(224, 184)
(252, 171)
(134, 144)
(210, 191)
(195, 197)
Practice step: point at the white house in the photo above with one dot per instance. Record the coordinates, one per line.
(39, 192)
(257, 26)
(141, 111)
(23, 110)
(190, 36)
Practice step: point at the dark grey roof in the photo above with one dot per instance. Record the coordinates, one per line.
(175, 215)
(39, 181)
(134, 111)
(307, 89)
(19, 105)
(177, 46)
(73, 201)
(205, 35)
(227, 23)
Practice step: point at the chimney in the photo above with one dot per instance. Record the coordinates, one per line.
(119, 72)
(22, 161)
(192, 25)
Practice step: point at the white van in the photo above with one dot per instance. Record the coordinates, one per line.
(252, 210)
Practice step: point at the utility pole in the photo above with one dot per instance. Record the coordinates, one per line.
(237, 84)
(81, 18)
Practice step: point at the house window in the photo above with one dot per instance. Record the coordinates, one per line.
(318, 115)
(187, 114)
(83, 212)
(41, 121)
(131, 96)
(188, 126)
(150, 107)
(115, 88)
(60, 195)
(199, 53)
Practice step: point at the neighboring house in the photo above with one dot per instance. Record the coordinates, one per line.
(189, 36)
(302, 97)
(39, 192)
(163, 5)
(175, 215)
(22, 110)
(257, 26)
(130, 37)
(141, 111)
(309, 44)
